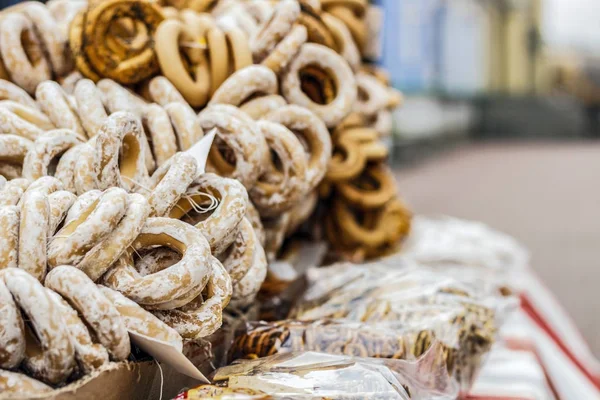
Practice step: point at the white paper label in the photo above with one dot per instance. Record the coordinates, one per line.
(165, 352)
(201, 149)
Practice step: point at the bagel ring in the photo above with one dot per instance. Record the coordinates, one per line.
(285, 14)
(333, 86)
(29, 114)
(10, 91)
(14, 149)
(13, 124)
(48, 146)
(248, 82)
(286, 49)
(59, 108)
(372, 189)
(261, 106)
(163, 92)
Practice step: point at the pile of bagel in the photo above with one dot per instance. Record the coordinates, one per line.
(100, 101)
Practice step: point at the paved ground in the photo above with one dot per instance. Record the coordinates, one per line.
(547, 195)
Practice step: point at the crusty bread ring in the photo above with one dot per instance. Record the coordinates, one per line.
(163, 92)
(69, 81)
(22, 53)
(13, 149)
(254, 217)
(343, 39)
(53, 38)
(195, 88)
(12, 191)
(185, 123)
(254, 80)
(352, 17)
(372, 189)
(98, 312)
(89, 355)
(10, 91)
(220, 226)
(29, 114)
(33, 233)
(90, 107)
(59, 201)
(169, 183)
(383, 123)
(316, 29)
(279, 188)
(261, 106)
(55, 103)
(118, 98)
(239, 256)
(158, 126)
(309, 127)
(271, 32)
(204, 315)
(373, 95)
(140, 321)
(46, 147)
(334, 79)
(14, 124)
(9, 236)
(64, 11)
(246, 289)
(286, 49)
(114, 157)
(52, 359)
(12, 335)
(17, 384)
(240, 134)
(172, 282)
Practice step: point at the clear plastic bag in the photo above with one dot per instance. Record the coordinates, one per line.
(414, 303)
(312, 375)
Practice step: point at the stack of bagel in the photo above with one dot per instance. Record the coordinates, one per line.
(99, 102)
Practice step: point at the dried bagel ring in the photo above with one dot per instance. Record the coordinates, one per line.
(279, 188)
(89, 355)
(383, 123)
(14, 124)
(169, 183)
(12, 191)
(115, 156)
(246, 289)
(140, 321)
(9, 236)
(163, 92)
(13, 149)
(64, 11)
(191, 81)
(52, 37)
(55, 103)
(254, 217)
(373, 95)
(90, 107)
(33, 233)
(204, 315)
(352, 17)
(118, 98)
(240, 134)
(172, 282)
(10, 91)
(22, 53)
(280, 24)
(99, 313)
(12, 335)
(286, 49)
(134, 59)
(162, 138)
(316, 29)
(219, 227)
(238, 258)
(29, 114)
(374, 188)
(343, 39)
(261, 106)
(185, 123)
(52, 359)
(48, 146)
(316, 138)
(17, 384)
(248, 82)
(328, 76)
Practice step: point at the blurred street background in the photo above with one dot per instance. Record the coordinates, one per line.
(500, 123)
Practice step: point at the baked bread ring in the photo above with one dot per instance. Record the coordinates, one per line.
(246, 289)
(29, 114)
(59, 202)
(244, 141)
(111, 50)
(163, 92)
(316, 29)
(282, 185)
(352, 15)
(12, 191)
(90, 107)
(10, 91)
(195, 88)
(169, 183)
(372, 95)
(14, 124)
(52, 358)
(34, 229)
(220, 226)
(204, 315)
(354, 147)
(13, 149)
(244, 84)
(261, 106)
(64, 12)
(285, 14)
(253, 216)
(383, 123)
(185, 123)
(89, 355)
(47, 147)
(328, 77)
(118, 98)
(173, 282)
(12, 335)
(9, 238)
(17, 384)
(286, 49)
(343, 39)
(140, 321)
(98, 312)
(372, 189)
(163, 142)
(22, 53)
(314, 136)
(59, 108)
(114, 157)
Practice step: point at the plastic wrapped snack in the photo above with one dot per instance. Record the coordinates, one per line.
(311, 375)
(418, 304)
